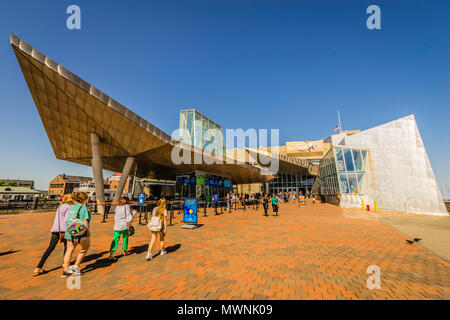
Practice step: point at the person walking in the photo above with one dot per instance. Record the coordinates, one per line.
(275, 205)
(58, 229)
(78, 211)
(161, 212)
(265, 200)
(123, 219)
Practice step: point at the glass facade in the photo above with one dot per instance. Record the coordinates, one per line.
(342, 170)
(202, 186)
(286, 182)
(199, 131)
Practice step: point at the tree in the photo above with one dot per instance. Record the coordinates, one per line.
(12, 184)
(2, 183)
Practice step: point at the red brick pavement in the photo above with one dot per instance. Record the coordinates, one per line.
(318, 252)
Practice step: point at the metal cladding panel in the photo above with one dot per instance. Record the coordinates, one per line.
(401, 175)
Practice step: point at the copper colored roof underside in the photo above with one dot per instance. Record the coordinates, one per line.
(70, 109)
(287, 164)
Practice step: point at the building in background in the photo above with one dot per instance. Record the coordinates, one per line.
(387, 164)
(64, 184)
(8, 193)
(113, 183)
(17, 183)
(89, 188)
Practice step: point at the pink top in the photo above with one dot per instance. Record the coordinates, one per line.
(59, 224)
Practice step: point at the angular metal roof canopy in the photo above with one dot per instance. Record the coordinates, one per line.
(287, 164)
(71, 109)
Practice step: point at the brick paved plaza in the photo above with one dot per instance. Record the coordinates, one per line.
(321, 252)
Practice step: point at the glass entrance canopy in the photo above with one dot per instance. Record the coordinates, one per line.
(343, 170)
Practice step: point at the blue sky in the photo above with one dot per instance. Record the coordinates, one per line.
(245, 64)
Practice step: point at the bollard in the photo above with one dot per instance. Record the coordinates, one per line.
(376, 206)
(368, 207)
(362, 205)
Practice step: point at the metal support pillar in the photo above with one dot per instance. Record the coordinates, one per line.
(98, 172)
(123, 179)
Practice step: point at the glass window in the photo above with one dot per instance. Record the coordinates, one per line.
(352, 183)
(364, 158)
(358, 159)
(348, 160)
(343, 183)
(361, 182)
(340, 160)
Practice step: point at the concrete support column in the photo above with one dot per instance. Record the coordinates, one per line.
(123, 179)
(98, 172)
(267, 187)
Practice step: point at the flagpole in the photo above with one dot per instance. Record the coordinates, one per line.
(339, 119)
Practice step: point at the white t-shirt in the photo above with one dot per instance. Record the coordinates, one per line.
(154, 212)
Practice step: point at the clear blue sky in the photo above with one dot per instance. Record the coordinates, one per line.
(245, 64)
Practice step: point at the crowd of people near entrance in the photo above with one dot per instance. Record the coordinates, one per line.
(241, 200)
(71, 227)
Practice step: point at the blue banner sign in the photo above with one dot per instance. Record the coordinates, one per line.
(141, 199)
(190, 210)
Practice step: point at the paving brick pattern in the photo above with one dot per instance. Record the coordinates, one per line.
(318, 252)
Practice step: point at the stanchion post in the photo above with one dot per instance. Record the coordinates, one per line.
(171, 214)
(104, 215)
(146, 213)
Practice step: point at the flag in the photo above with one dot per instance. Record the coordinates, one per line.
(336, 129)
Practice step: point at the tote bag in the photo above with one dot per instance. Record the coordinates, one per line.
(154, 224)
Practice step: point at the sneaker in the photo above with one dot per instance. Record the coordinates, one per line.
(163, 252)
(149, 257)
(66, 274)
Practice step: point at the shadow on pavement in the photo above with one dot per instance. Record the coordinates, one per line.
(100, 263)
(139, 249)
(173, 248)
(143, 248)
(8, 252)
(94, 256)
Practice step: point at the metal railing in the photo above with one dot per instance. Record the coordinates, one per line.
(15, 207)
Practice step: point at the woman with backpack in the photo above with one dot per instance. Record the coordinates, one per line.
(58, 229)
(77, 222)
(123, 218)
(157, 225)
